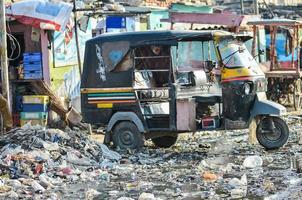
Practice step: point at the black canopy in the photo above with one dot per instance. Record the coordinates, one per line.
(104, 52)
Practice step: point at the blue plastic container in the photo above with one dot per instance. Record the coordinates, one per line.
(32, 66)
(33, 115)
(33, 75)
(18, 104)
(35, 107)
(32, 57)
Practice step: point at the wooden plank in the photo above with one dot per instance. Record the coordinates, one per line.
(3, 56)
(45, 57)
(252, 132)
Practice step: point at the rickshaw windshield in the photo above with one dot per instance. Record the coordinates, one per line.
(191, 55)
(235, 54)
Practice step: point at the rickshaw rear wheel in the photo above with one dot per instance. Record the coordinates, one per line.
(127, 136)
(164, 141)
(272, 138)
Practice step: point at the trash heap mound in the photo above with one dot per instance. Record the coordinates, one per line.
(34, 158)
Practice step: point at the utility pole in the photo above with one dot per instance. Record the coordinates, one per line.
(76, 36)
(242, 7)
(3, 54)
(256, 4)
(257, 30)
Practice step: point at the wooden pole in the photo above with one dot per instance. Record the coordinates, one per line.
(252, 132)
(299, 51)
(254, 40)
(258, 31)
(3, 54)
(76, 36)
(256, 7)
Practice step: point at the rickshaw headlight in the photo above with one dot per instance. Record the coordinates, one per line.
(247, 88)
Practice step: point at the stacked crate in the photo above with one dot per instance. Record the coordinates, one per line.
(34, 109)
(32, 66)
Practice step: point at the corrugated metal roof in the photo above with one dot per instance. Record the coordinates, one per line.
(276, 22)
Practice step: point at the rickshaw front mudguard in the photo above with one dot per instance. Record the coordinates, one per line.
(267, 108)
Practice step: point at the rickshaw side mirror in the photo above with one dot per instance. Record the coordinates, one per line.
(209, 65)
(185, 79)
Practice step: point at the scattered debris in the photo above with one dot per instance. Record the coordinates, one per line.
(91, 194)
(56, 164)
(252, 162)
(35, 159)
(208, 176)
(146, 196)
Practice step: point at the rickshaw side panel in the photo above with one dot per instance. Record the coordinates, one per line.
(96, 117)
(103, 91)
(97, 73)
(266, 107)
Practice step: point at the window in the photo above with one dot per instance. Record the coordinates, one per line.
(235, 54)
(190, 55)
(152, 66)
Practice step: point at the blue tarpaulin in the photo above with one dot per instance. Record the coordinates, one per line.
(280, 47)
(115, 22)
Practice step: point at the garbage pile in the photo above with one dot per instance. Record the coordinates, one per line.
(39, 163)
(35, 159)
(208, 165)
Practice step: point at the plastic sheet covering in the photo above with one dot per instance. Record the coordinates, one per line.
(114, 52)
(41, 14)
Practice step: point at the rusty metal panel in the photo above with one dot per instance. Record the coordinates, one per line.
(186, 114)
(275, 22)
(226, 19)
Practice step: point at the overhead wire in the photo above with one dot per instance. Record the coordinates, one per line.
(12, 39)
(13, 42)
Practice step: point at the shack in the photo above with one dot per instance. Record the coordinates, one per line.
(31, 49)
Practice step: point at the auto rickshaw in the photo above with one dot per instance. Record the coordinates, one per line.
(156, 84)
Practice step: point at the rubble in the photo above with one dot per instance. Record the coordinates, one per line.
(197, 167)
(252, 162)
(146, 196)
(209, 176)
(35, 159)
(91, 194)
(239, 187)
(300, 141)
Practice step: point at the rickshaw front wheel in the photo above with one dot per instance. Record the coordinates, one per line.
(127, 136)
(272, 132)
(164, 141)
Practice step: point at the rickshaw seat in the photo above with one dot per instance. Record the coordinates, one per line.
(209, 99)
